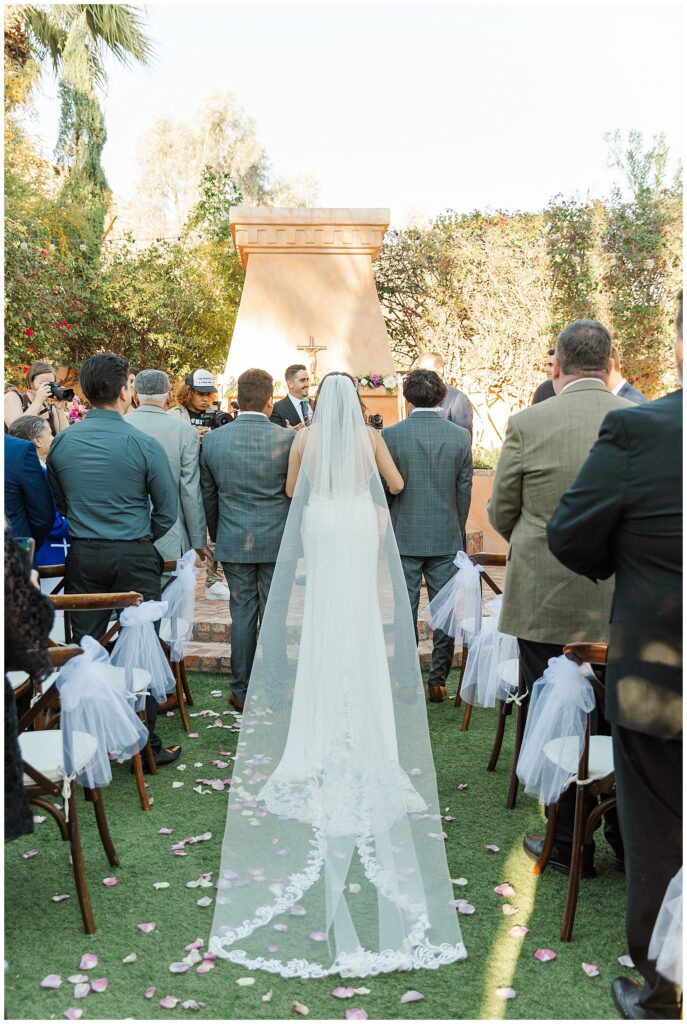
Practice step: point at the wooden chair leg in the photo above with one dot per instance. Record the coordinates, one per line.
(181, 698)
(45, 805)
(94, 796)
(78, 866)
(520, 722)
(549, 838)
(137, 766)
(504, 712)
(150, 757)
(575, 866)
(467, 715)
(184, 683)
(463, 662)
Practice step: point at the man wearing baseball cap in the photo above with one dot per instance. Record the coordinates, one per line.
(194, 397)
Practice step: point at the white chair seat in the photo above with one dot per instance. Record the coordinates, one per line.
(116, 677)
(564, 753)
(17, 679)
(43, 751)
(168, 635)
(509, 671)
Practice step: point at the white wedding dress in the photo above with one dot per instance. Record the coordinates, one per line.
(333, 858)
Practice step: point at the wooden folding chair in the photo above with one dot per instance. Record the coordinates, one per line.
(101, 602)
(486, 560)
(44, 778)
(594, 776)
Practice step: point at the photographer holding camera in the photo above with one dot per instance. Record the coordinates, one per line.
(194, 399)
(43, 397)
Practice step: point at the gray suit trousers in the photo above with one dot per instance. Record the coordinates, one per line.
(249, 586)
(437, 570)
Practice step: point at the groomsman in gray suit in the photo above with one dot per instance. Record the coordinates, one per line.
(243, 479)
(429, 516)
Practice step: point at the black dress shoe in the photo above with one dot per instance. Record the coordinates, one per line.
(236, 702)
(625, 994)
(559, 859)
(167, 755)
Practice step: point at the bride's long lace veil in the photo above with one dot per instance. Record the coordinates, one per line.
(333, 858)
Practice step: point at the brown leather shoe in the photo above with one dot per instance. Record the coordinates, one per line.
(437, 694)
(235, 702)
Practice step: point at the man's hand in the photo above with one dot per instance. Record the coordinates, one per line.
(299, 426)
(35, 579)
(203, 553)
(201, 431)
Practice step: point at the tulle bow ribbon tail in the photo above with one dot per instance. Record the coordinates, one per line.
(483, 682)
(96, 719)
(458, 605)
(554, 734)
(180, 596)
(138, 647)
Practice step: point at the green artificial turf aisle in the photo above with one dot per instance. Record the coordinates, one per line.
(44, 937)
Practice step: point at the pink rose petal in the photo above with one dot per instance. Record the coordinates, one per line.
(165, 831)
(466, 908)
(150, 992)
(178, 967)
(507, 909)
(110, 881)
(58, 899)
(355, 1013)
(73, 1013)
(169, 1002)
(99, 984)
(130, 959)
(301, 1010)
(517, 931)
(77, 979)
(51, 981)
(147, 926)
(449, 817)
(412, 996)
(591, 970)
(318, 936)
(544, 955)
(204, 967)
(281, 927)
(505, 890)
(197, 944)
(506, 993)
(81, 991)
(88, 960)
(267, 996)
(343, 992)
(492, 848)
(462, 785)
(625, 960)
(273, 949)
(193, 735)
(29, 854)
(205, 901)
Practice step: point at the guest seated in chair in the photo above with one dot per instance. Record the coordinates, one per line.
(54, 548)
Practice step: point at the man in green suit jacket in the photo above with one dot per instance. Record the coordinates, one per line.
(429, 516)
(546, 605)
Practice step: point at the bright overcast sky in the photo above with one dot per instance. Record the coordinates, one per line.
(418, 108)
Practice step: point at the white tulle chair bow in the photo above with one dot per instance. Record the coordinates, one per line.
(96, 720)
(483, 684)
(554, 735)
(458, 605)
(180, 596)
(666, 940)
(138, 647)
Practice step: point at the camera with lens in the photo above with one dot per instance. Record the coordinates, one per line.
(60, 393)
(214, 418)
(376, 420)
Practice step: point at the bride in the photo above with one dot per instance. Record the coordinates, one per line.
(333, 859)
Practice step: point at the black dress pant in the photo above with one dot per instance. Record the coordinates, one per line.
(437, 570)
(113, 566)
(648, 774)
(534, 659)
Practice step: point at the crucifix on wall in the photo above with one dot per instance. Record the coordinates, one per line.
(312, 349)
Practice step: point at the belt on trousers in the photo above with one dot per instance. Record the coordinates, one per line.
(104, 540)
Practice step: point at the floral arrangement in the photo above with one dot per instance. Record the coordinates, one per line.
(374, 380)
(76, 411)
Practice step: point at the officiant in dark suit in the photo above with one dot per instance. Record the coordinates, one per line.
(294, 410)
(455, 405)
(429, 516)
(243, 476)
(623, 515)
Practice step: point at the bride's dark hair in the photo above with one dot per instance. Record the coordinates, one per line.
(354, 382)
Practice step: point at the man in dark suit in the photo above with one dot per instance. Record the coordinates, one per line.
(243, 479)
(429, 516)
(455, 407)
(294, 410)
(29, 506)
(623, 515)
(545, 389)
(617, 383)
